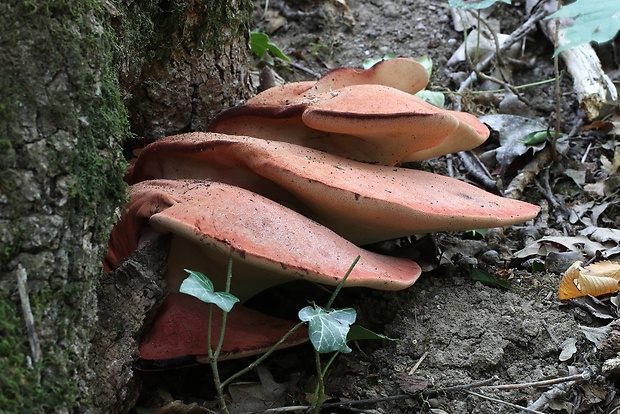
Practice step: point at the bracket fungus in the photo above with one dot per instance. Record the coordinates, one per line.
(269, 243)
(376, 122)
(174, 334)
(288, 186)
(361, 202)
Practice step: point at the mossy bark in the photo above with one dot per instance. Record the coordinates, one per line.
(63, 120)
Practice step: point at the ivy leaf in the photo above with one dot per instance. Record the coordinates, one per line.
(201, 287)
(475, 4)
(427, 63)
(594, 22)
(260, 45)
(489, 280)
(434, 98)
(370, 62)
(328, 328)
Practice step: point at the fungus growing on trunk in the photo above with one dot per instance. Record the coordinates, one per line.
(363, 115)
(361, 202)
(269, 243)
(292, 200)
(180, 330)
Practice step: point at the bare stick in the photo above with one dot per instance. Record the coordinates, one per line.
(528, 174)
(584, 376)
(417, 364)
(400, 397)
(22, 288)
(478, 170)
(504, 402)
(558, 94)
(514, 37)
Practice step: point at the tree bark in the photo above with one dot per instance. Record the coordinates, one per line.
(68, 69)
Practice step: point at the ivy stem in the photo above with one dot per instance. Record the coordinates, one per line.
(214, 356)
(263, 356)
(319, 396)
(337, 290)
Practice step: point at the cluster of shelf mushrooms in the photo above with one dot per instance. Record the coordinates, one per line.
(289, 186)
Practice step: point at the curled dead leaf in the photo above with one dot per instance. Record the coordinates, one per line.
(595, 279)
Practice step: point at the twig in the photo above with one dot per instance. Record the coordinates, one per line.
(477, 169)
(300, 67)
(556, 392)
(400, 397)
(584, 376)
(450, 165)
(558, 92)
(486, 397)
(263, 356)
(528, 174)
(559, 208)
(551, 335)
(514, 37)
(22, 289)
(417, 364)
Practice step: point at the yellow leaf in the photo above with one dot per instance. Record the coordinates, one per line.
(595, 279)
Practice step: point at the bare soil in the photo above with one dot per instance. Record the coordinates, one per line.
(454, 330)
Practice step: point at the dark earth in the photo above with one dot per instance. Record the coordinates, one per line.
(453, 329)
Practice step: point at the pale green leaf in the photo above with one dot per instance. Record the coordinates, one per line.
(260, 45)
(370, 62)
(328, 328)
(595, 21)
(200, 287)
(475, 4)
(427, 63)
(437, 99)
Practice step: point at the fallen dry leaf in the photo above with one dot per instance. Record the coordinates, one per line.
(597, 279)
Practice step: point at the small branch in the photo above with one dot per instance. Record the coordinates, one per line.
(400, 397)
(300, 67)
(557, 204)
(263, 356)
(504, 402)
(558, 93)
(514, 37)
(528, 174)
(584, 376)
(478, 171)
(417, 364)
(22, 289)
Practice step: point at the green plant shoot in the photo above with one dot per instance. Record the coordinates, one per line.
(595, 21)
(263, 48)
(328, 328)
(199, 286)
(475, 4)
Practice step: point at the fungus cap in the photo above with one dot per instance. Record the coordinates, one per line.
(363, 203)
(181, 329)
(270, 244)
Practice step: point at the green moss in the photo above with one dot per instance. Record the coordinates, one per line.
(20, 388)
(152, 30)
(82, 119)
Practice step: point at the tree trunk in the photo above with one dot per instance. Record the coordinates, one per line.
(62, 121)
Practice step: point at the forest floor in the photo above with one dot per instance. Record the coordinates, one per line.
(454, 330)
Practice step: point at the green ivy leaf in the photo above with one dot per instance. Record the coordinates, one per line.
(437, 99)
(475, 4)
(427, 63)
(370, 62)
(328, 328)
(489, 280)
(200, 287)
(260, 45)
(595, 21)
